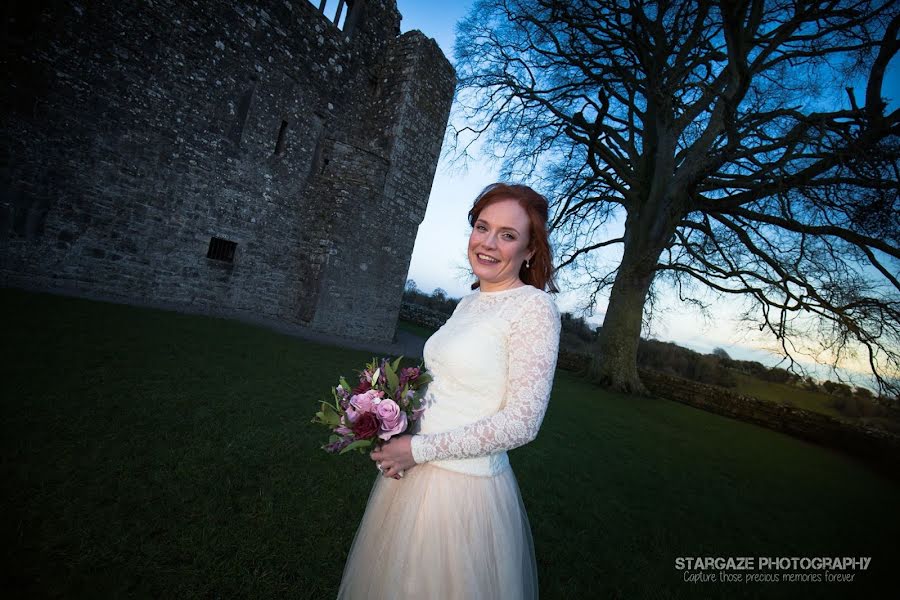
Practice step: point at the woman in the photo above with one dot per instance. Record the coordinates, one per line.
(446, 519)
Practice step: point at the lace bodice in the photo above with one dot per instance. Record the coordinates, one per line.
(493, 363)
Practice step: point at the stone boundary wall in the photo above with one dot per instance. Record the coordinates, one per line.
(879, 448)
(422, 316)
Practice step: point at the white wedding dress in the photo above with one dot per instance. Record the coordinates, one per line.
(454, 527)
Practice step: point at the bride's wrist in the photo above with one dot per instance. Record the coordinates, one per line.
(414, 448)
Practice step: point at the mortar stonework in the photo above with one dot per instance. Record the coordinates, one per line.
(134, 132)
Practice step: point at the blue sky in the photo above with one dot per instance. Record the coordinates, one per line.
(439, 257)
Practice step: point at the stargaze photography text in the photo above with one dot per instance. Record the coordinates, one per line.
(769, 569)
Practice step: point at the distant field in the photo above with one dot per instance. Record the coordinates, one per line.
(786, 394)
(818, 402)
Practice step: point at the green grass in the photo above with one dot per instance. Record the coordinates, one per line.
(812, 401)
(419, 330)
(150, 454)
(787, 394)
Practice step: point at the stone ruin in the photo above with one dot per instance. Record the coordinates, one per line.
(240, 159)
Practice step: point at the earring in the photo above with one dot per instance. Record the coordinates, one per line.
(527, 264)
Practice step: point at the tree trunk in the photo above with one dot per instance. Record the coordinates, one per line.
(614, 364)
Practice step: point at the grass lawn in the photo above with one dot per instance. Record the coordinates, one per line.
(151, 454)
(419, 330)
(787, 394)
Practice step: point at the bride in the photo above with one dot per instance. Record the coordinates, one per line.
(446, 519)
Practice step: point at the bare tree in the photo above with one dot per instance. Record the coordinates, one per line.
(724, 145)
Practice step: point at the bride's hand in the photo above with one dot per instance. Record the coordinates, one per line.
(394, 456)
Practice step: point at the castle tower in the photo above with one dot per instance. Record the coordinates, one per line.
(261, 159)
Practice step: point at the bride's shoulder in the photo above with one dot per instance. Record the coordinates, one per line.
(537, 303)
(465, 300)
(534, 292)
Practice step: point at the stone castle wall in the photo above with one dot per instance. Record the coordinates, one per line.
(134, 133)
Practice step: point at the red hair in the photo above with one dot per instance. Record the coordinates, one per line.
(540, 273)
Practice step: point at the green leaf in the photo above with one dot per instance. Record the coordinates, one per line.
(423, 380)
(362, 444)
(346, 385)
(396, 364)
(328, 415)
(337, 399)
(375, 377)
(392, 379)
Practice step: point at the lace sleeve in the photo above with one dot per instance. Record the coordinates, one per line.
(533, 348)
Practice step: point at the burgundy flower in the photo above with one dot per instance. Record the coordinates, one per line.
(363, 387)
(408, 374)
(366, 426)
(336, 447)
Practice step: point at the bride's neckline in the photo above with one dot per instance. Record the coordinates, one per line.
(501, 292)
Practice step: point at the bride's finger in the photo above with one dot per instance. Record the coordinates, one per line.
(393, 472)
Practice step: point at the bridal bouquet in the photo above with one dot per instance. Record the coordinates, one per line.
(384, 404)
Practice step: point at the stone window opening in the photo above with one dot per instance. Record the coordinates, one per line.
(220, 249)
(279, 143)
(243, 111)
(346, 12)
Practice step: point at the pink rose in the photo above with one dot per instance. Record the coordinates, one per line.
(366, 401)
(393, 420)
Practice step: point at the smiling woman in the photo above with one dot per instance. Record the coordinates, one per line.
(499, 246)
(508, 246)
(445, 519)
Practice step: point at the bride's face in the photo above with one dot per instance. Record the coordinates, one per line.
(498, 244)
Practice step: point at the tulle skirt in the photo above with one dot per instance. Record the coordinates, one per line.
(438, 534)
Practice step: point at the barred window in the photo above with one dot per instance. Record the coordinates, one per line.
(220, 249)
(345, 11)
